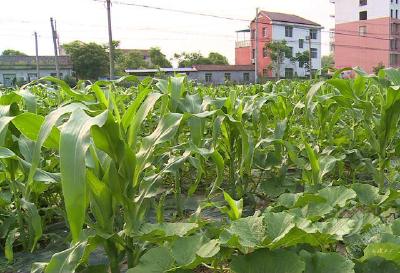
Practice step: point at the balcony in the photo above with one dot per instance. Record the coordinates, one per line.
(240, 44)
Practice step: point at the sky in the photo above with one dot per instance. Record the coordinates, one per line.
(142, 28)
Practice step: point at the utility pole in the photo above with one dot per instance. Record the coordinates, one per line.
(54, 33)
(256, 49)
(37, 56)
(110, 40)
(309, 56)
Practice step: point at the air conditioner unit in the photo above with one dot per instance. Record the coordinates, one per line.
(253, 61)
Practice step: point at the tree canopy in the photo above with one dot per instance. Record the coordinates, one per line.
(158, 59)
(188, 59)
(90, 60)
(12, 52)
(277, 50)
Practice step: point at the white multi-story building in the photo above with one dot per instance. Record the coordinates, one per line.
(273, 26)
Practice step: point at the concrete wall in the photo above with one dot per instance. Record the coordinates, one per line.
(367, 51)
(22, 75)
(299, 32)
(348, 10)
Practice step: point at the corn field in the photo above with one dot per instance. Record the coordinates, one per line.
(166, 176)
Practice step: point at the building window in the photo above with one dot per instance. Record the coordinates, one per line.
(208, 77)
(362, 30)
(265, 52)
(265, 72)
(253, 53)
(246, 77)
(391, 13)
(32, 76)
(394, 29)
(394, 59)
(363, 2)
(393, 44)
(288, 73)
(9, 79)
(253, 34)
(301, 64)
(289, 53)
(314, 53)
(227, 76)
(265, 32)
(397, 14)
(313, 34)
(288, 31)
(363, 15)
(301, 43)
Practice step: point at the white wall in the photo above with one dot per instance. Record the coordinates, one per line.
(348, 10)
(299, 32)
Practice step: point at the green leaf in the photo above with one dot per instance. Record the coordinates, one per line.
(156, 260)
(264, 261)
(278, 225)
(34, 221)
(235, 207)
(326, 262)
(250, 231)
(167, 229)
(388, 251)
(184, 249)
(209, 249)
(67, 260)
(8, 249)
(367, 194)
(74, 142)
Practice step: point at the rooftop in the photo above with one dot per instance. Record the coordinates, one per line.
(288, 18)
(30, 61)
(196, 68)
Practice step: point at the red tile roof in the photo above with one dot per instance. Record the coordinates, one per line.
(287, 18)
(215, 67)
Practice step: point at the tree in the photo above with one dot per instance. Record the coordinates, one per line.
(12, 52)
(186, 59)
(90, 60)
(378, 68)
(132, 60)
(304, 60)
(277, 50)
(328, 61)
(158, 59)
(217, 58)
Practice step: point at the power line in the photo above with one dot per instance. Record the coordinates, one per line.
(177, 11)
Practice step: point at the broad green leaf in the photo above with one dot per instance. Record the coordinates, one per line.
(264, 261)
(156, 260)
(387, 251)
(8, 249)
(74, 142)
(167, 229)
(184, 249)
(250, 231)
(67, 260)
(278, 225)
(34, 221)
(209, 250)
(235, 207)
(326, 262)
(367, 194)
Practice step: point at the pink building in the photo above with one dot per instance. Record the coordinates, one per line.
(367, 33)
(274, 26)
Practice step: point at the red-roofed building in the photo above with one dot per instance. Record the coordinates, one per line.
(274, 26)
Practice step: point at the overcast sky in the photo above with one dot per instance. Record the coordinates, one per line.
(142, 28)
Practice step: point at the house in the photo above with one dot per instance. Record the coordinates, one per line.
(274, 26)
(205, 74)
(367, 32)
(144, 52)
(15, 69)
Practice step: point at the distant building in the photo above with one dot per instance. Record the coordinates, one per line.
(15, 69)
(367, 33)
(206, 74)
(273, 26)
(144, 52)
